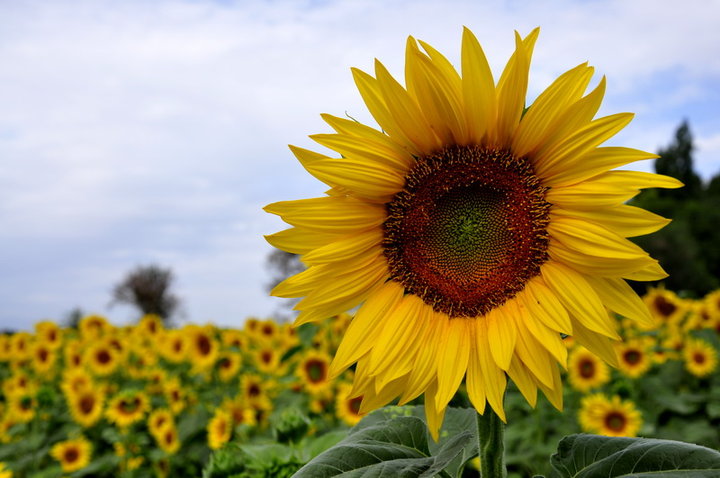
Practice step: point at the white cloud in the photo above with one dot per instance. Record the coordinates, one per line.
(135, 131)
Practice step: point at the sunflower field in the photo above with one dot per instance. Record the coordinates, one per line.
(261, 401)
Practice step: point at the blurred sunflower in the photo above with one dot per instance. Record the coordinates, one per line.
(86, 405)
(202, 347)
(586, 371)
(49, 333)
(168, 439)
(700, 357)
(609, 416)
(159, 419)
(471, 231)
(101, 357)
(128, 407)
(43, 358)
(93, 326)
(175, 395)
(267, 360)
(73, 455)
(665, 305)
(219, 429)
(347, 406)
(4, 471)
(228, 365)
(313, 370)
(173, 346)
(22, 407)
(633, 358)
(240, 413)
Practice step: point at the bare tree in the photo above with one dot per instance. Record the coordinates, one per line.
(148, 289)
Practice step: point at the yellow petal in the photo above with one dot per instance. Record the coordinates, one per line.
(363, 149)
(424, 369)
(406, 112)
(578, 297)
(599, 160)
(369, 89)
(549, 339)
(512, 88)
(478, 88)
(452, 359)
(525, 383)
(433, 415)
(332, 214)
(365, 327)
(602, 266)
(547, 164)
(548, 106)
(535, 357)
(346, 248)
(494, 377)
(436, 96)
(546, 307)
(474, 381)
(597, 344)
(592, 239)
(298, 240)
(617, 295)
(623, 220)
(502, 333)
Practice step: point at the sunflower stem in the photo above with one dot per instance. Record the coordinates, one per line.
(491, 436)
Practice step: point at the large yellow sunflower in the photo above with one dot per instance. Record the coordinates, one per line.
(72, 454)
(471, 231)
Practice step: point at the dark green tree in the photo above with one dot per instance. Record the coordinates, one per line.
(676, 160)
(148, 288)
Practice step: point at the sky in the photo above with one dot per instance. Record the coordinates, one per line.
(136, 133)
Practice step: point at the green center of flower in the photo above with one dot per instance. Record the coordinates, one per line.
(468, 230)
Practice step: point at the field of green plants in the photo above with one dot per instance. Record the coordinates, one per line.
(258, 401)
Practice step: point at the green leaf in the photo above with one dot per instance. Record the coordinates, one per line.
(396, 447)
(590, 456)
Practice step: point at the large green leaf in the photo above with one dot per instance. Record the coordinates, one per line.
(397, 447)
(592, 456)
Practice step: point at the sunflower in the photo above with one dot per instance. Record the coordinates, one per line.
(150, 326)
(73, 454)
(73, 353)
(5, 348)
(701, 358)
(168, 439)
(175, 395)
(470, 230)
(22, 407)
(586, 370)
(228, 365)
(610, 416)
(86, 405)
(50, 333)
(202, 347)
(665, 305)
(633, 358)
(240, 413)
(347, 407)
(93, 326)
(4, 471)
(127, 408)
(254, 389)
(219, 429)
(101, 357)
(43, 358)
(173, 346)
(267, 360)
(313, 371)
(159, 419)
(233, 339)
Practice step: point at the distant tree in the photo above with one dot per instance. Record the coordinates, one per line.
(148, 289)
(72, 318)
(676, 160)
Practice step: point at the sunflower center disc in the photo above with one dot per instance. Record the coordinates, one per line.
(468, 230)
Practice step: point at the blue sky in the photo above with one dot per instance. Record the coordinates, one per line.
(141, 132)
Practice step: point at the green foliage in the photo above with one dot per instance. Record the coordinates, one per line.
(393, 442)
(588, 456)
